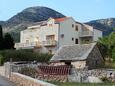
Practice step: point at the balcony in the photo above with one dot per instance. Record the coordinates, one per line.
(85, 34)
(35, 44)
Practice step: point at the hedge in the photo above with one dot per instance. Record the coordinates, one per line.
(23, 55)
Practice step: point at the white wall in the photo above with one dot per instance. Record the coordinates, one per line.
(29, 34)
(46, 30)
(97, 34)
(39, 32)
(68, 31)
(90, 28)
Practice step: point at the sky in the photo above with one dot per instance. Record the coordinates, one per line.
(80, 10)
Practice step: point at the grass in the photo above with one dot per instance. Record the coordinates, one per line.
(82, 84)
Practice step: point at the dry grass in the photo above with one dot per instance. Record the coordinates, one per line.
(109, 64)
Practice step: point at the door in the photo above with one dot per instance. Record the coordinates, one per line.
(76, 41)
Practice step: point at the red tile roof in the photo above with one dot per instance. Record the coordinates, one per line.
(60, 19)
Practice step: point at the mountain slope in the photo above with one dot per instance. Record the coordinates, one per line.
(105, 25)
(28, 16)
(34, 14)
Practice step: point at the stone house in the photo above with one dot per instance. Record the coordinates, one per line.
(79, 55)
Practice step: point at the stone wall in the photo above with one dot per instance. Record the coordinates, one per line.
(95, 59)
(2, 70)
(79, 64)
(22, 80)
(79, 75)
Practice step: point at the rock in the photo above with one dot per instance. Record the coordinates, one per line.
(92, 79)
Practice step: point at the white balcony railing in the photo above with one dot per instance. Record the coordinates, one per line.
(85, 33)
(35, 44)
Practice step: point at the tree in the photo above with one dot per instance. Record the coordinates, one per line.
(109, 43)
(8, 41)
(1, 38)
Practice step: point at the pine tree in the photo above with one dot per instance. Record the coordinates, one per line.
(1, 38)
(8, 41)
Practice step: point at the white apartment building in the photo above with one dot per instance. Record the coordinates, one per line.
(48, 36)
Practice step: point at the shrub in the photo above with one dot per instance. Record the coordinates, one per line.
(1, 60)
(113, 54)
(24, 55)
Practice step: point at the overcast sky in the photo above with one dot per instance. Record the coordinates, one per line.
(81, 10)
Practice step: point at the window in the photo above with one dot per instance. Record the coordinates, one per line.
(72, 39)
(72, 25)
(76, 28)
(62, 35)
(50, 37)
(76, 41)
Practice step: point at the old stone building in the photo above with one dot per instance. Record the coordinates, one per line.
(79, 55)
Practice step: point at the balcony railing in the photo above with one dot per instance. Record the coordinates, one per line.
(35, 44)
(85, 33)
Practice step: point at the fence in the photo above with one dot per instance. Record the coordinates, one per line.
(75, 74)
(14, 67)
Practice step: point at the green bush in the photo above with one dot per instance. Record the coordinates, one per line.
(113, 54)
(1, 60)
(24, 55)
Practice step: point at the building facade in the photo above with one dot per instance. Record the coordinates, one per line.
(48, 36)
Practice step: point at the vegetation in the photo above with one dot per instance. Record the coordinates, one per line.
(109, 65)
(1, 38)
(81, 84)
(109, 44)
(7, 41)
(1, 60)
(24, 55)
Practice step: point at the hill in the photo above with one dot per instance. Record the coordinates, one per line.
(105, 25)
(31, 15)
(28, 16)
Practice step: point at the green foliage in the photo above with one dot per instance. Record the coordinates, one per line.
(24, 55)
(103, 49)
(113, 28)
(113, 54)
(1, 60)
(81, 84)
(8, 41)
(109, 43)
(1, 38)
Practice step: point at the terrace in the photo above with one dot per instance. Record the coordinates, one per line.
(35, 44)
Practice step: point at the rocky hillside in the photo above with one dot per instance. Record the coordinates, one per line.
(35, 14)
(106, 25)
(30, 15)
